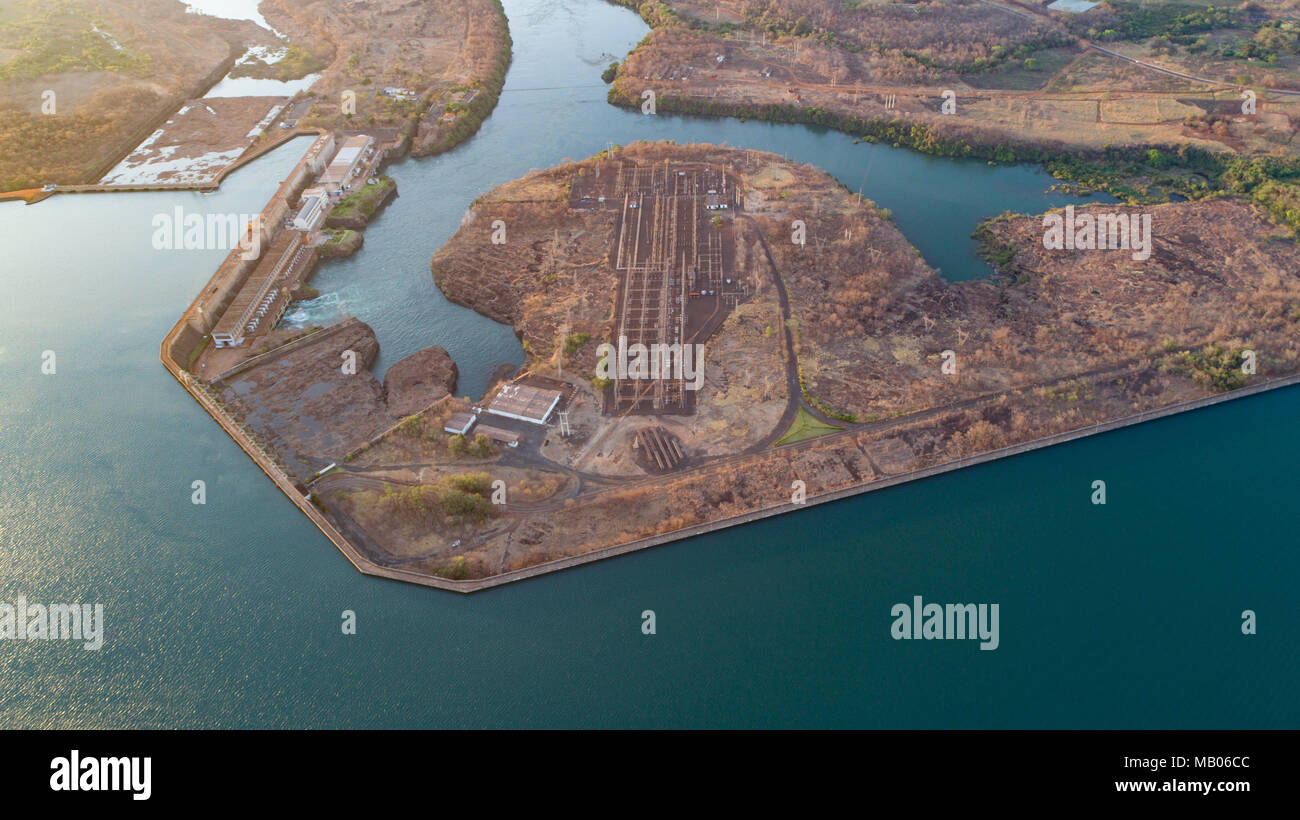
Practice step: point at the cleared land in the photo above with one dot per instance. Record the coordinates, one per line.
(198, 142)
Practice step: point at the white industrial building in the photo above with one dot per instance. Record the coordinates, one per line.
(525, 403)
(347, 162)
(311, 212)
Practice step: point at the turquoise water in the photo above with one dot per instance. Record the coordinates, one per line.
(228, 614)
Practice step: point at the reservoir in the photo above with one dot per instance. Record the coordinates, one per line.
(228, 614)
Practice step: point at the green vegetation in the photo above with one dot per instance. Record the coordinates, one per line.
(1281, 201)
(456, 499)
(1171, 25)
(338, 236)
(1213, 366)
(575, 341)
(1071, 391)
(998, 253)
(823, 407)
(1134, 174)
(364, 201)
(52, 37)
(412, 426)
(1128, 172)
(610, 73)
(658, 14)
(197, 351)
(1138, 21)
(457, 570)
(480, 447)
(1273, 39)
(804, 427)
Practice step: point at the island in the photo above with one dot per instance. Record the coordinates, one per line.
(714, 335)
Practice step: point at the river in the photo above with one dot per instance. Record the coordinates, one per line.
(228, 614)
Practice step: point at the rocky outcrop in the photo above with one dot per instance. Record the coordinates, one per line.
(420, 379)
(346, 243)
(314, 401)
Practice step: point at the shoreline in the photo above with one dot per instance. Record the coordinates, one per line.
(367, 567)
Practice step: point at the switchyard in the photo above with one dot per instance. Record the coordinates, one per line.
(673, 248)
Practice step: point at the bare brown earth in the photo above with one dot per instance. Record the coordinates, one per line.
(1218, 272)
(895, 60)
(106, 100)
(1056, 341)
(431, 49)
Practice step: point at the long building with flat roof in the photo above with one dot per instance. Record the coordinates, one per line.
(266, 293)
(498, 435)
(346, 162)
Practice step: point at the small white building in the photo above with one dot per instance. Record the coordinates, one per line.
(459, 424)
(311, 213)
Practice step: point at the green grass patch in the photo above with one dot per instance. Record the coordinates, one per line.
(197, 351)
(804, 427)
(364, 201)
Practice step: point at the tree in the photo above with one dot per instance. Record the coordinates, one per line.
(457, 445)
